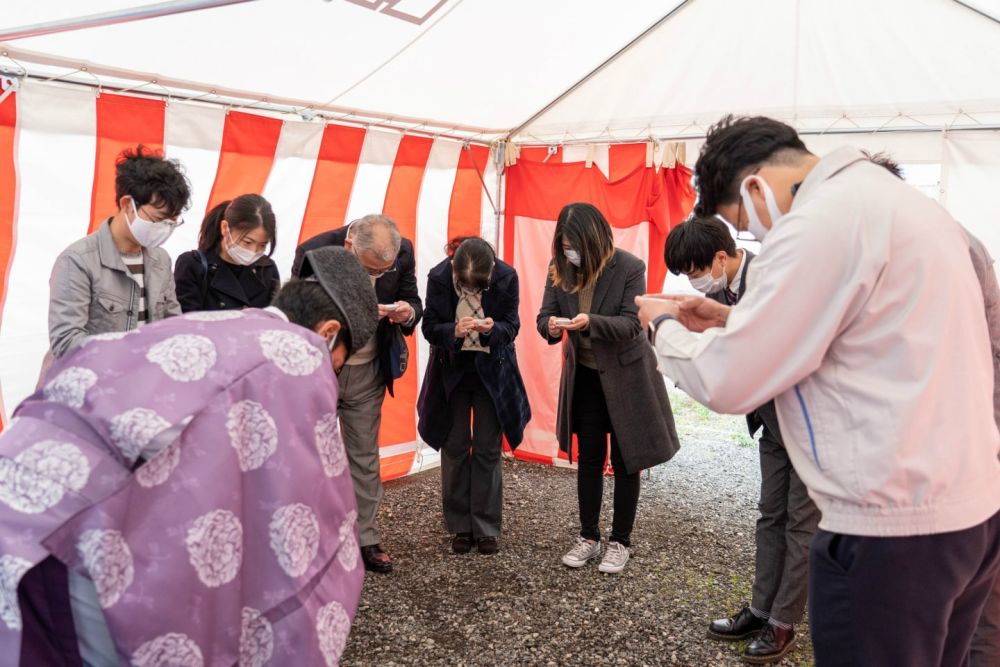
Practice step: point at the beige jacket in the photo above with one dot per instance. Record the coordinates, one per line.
(91, 292)
(864, 318)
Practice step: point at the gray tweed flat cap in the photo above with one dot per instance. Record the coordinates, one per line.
(346, 281)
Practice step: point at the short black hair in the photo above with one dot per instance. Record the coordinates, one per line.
(306, 303)
(693, 244)
(149, 178)
(733, 147)
(885, 161)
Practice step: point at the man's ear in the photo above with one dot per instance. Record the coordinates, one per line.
(327, 328)
(348, 243)
(124, 202)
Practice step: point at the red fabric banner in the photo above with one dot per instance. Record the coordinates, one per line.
(401, 200)
(122, 122)
(465, 213)
(8, 197)
(642, 205)
(333, 180)
(248, 145)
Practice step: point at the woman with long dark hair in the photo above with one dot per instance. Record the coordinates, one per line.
(232, 267)
(472, 393)
(610, 387)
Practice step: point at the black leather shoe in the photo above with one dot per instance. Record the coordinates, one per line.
(375, 559)
(462, 543)
(740, 626)
(771, 645)
(487, 545)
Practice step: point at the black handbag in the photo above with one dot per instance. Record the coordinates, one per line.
(399, 354)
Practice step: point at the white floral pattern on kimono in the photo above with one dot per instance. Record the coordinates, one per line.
(170, 650)
(294, 538)
(349, 548)
(252, 433)
(132, 430)
(215, 547)
(256, 639)
(37, 478)
(184, 358)
(330, 445)
(290, 352)
(12, 569)
(157, 470)
(332, 627)
(70, 386)
(107, 558)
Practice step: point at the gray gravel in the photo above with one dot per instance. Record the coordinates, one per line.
(692, 560)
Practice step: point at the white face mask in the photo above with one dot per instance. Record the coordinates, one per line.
(573, 257)
(706, 284)
(242, 256)
(332, 343)
(147, 233)
(755, 226)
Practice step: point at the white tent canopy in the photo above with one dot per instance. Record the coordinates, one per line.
(483, 69)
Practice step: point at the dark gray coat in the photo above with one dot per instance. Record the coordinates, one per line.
(634, 390)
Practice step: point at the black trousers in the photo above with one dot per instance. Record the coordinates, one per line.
(785, 529)
(471, 472)
(592, 426)
(880, 601)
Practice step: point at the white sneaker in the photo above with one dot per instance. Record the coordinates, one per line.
(615, 557)
(581, 552)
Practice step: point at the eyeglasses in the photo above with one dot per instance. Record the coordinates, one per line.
(173, 224)
(374, 273)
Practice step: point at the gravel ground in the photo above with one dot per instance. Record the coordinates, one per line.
(692, 560)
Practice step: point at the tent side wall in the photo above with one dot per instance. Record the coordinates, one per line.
(58, 144)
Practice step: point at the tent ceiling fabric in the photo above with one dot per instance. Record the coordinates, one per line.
(489, 66)
(811, 62)
(481, 64)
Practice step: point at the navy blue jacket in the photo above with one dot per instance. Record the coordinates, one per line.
(497, 370)
(399, 285)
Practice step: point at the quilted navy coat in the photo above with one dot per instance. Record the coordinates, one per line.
(498, 370)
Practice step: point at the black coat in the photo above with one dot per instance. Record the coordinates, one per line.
(221, 288)
(400, 285)
(497, 370)
(634, 390)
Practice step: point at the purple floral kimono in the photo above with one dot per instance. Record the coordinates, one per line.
(236, 543)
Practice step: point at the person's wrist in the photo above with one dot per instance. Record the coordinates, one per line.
(654, 325)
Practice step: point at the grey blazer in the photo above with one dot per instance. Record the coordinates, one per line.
(633, 389)
(90, 291)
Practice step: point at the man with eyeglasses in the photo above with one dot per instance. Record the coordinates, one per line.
(391, 266)
(118, 278)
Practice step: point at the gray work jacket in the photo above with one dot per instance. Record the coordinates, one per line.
(91, 292)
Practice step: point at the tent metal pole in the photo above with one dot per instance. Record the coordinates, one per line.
(923, 129)
(594, 72)
(181, 89)
(985, 15)
(111, 18)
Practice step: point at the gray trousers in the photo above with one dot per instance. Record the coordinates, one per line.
(986, 642)
(471, 472)
(785, 529)
(362, 392)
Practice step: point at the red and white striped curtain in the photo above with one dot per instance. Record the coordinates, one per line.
(58, 146)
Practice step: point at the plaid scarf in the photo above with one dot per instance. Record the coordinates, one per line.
(470, 305)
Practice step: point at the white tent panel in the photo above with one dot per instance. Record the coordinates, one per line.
(467, 58)
(808, 61)
(56, 147)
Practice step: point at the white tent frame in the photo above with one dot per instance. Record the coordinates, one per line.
(128, 81)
